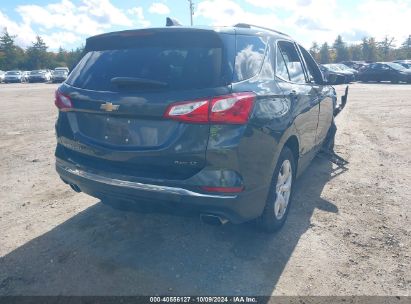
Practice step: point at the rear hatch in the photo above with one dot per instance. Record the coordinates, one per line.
(121, 89)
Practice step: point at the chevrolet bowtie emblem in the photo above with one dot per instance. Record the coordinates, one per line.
(109, 107)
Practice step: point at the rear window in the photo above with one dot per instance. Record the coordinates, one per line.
(182, 60)
(249, 57)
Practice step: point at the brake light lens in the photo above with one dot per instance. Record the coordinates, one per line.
(196, 111)
(232, 109)
(228, 109)
(63, 102)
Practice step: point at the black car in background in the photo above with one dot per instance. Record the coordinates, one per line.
(343, 67)
(385, 71)
(356, 65)
(336, 75)
(405, 63)
(220, 120)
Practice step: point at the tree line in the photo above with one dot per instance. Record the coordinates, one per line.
(37, 56)
(34, 57)
(368, 50)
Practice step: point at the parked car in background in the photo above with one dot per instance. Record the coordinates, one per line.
(405, 63)
(2, 74)
(343, 67)
(60, 74)
(356, 65)
(62, 69)
(335, 75)
(13, 76)
(385, 71)
(194, 117)
(26, 75)
(40, 76)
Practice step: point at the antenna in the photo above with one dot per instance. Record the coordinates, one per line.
(191, 11)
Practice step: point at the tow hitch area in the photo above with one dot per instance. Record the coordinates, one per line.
(342, 104)
(327, 152)
(334, 158)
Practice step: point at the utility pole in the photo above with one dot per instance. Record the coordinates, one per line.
(191, 11)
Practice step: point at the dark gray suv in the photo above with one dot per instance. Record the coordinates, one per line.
(220, 120)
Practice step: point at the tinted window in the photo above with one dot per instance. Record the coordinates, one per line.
(250, 52)
(173, 58)
(292, 61)
(281, 68)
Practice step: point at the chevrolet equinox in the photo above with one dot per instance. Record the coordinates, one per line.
(219, 119)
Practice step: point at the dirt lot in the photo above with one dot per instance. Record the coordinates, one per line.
(348, 233)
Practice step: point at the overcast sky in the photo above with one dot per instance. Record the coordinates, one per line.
(67, 23)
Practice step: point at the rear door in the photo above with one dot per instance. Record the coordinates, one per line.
(290, 70)
(324, 96)
(120, 91)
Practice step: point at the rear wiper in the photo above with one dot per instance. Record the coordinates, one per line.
(133, 81)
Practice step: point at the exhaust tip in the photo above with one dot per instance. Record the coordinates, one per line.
(214, 220)
(75, 188)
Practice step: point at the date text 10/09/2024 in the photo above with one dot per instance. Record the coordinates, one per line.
(205, 299)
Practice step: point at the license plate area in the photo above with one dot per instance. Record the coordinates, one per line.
(125, 131)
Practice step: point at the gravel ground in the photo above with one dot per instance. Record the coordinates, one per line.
(348, 231)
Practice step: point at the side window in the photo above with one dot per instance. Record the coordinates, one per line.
(250, 52)
(292, 61)
(313, 70)
(281, 68)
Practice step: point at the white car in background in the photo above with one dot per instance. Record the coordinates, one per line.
(40, 76)
(60, 74)
(13, 76)
(2, 76)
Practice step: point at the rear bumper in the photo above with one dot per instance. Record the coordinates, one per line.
(236, 208)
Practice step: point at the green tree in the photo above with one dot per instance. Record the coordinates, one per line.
(369, 49)
(324, 53)
(74, 56)
(315, 51)
(10, 54)
(385, 49)
(341, 51)
(355, 51)
(37, 57)
(404, 52)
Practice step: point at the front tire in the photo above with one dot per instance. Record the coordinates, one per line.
(280, 195)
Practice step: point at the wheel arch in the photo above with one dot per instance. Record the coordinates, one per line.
(293, 144)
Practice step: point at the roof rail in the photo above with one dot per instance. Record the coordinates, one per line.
(246, 25)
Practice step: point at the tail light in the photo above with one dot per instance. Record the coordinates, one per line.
(63, 102)
(228, 109)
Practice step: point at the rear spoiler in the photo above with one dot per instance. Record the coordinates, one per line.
(341, 106)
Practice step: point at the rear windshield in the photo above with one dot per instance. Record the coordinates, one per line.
(180, 60)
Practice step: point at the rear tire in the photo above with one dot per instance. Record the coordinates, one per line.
(280, 195)
(395, 80)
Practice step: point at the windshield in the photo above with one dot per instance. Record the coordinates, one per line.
(13, 73)
(182, 61)
(343, 67)
(332, 67)
(396, 66)
(38, 72)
